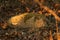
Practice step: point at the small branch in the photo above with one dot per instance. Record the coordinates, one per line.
(52, 12)
(51, 38)
(49, 10)
(57, 29)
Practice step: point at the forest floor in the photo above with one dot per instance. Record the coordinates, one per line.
(49, 8)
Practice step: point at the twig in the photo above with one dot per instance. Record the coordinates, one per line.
(49, 10)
